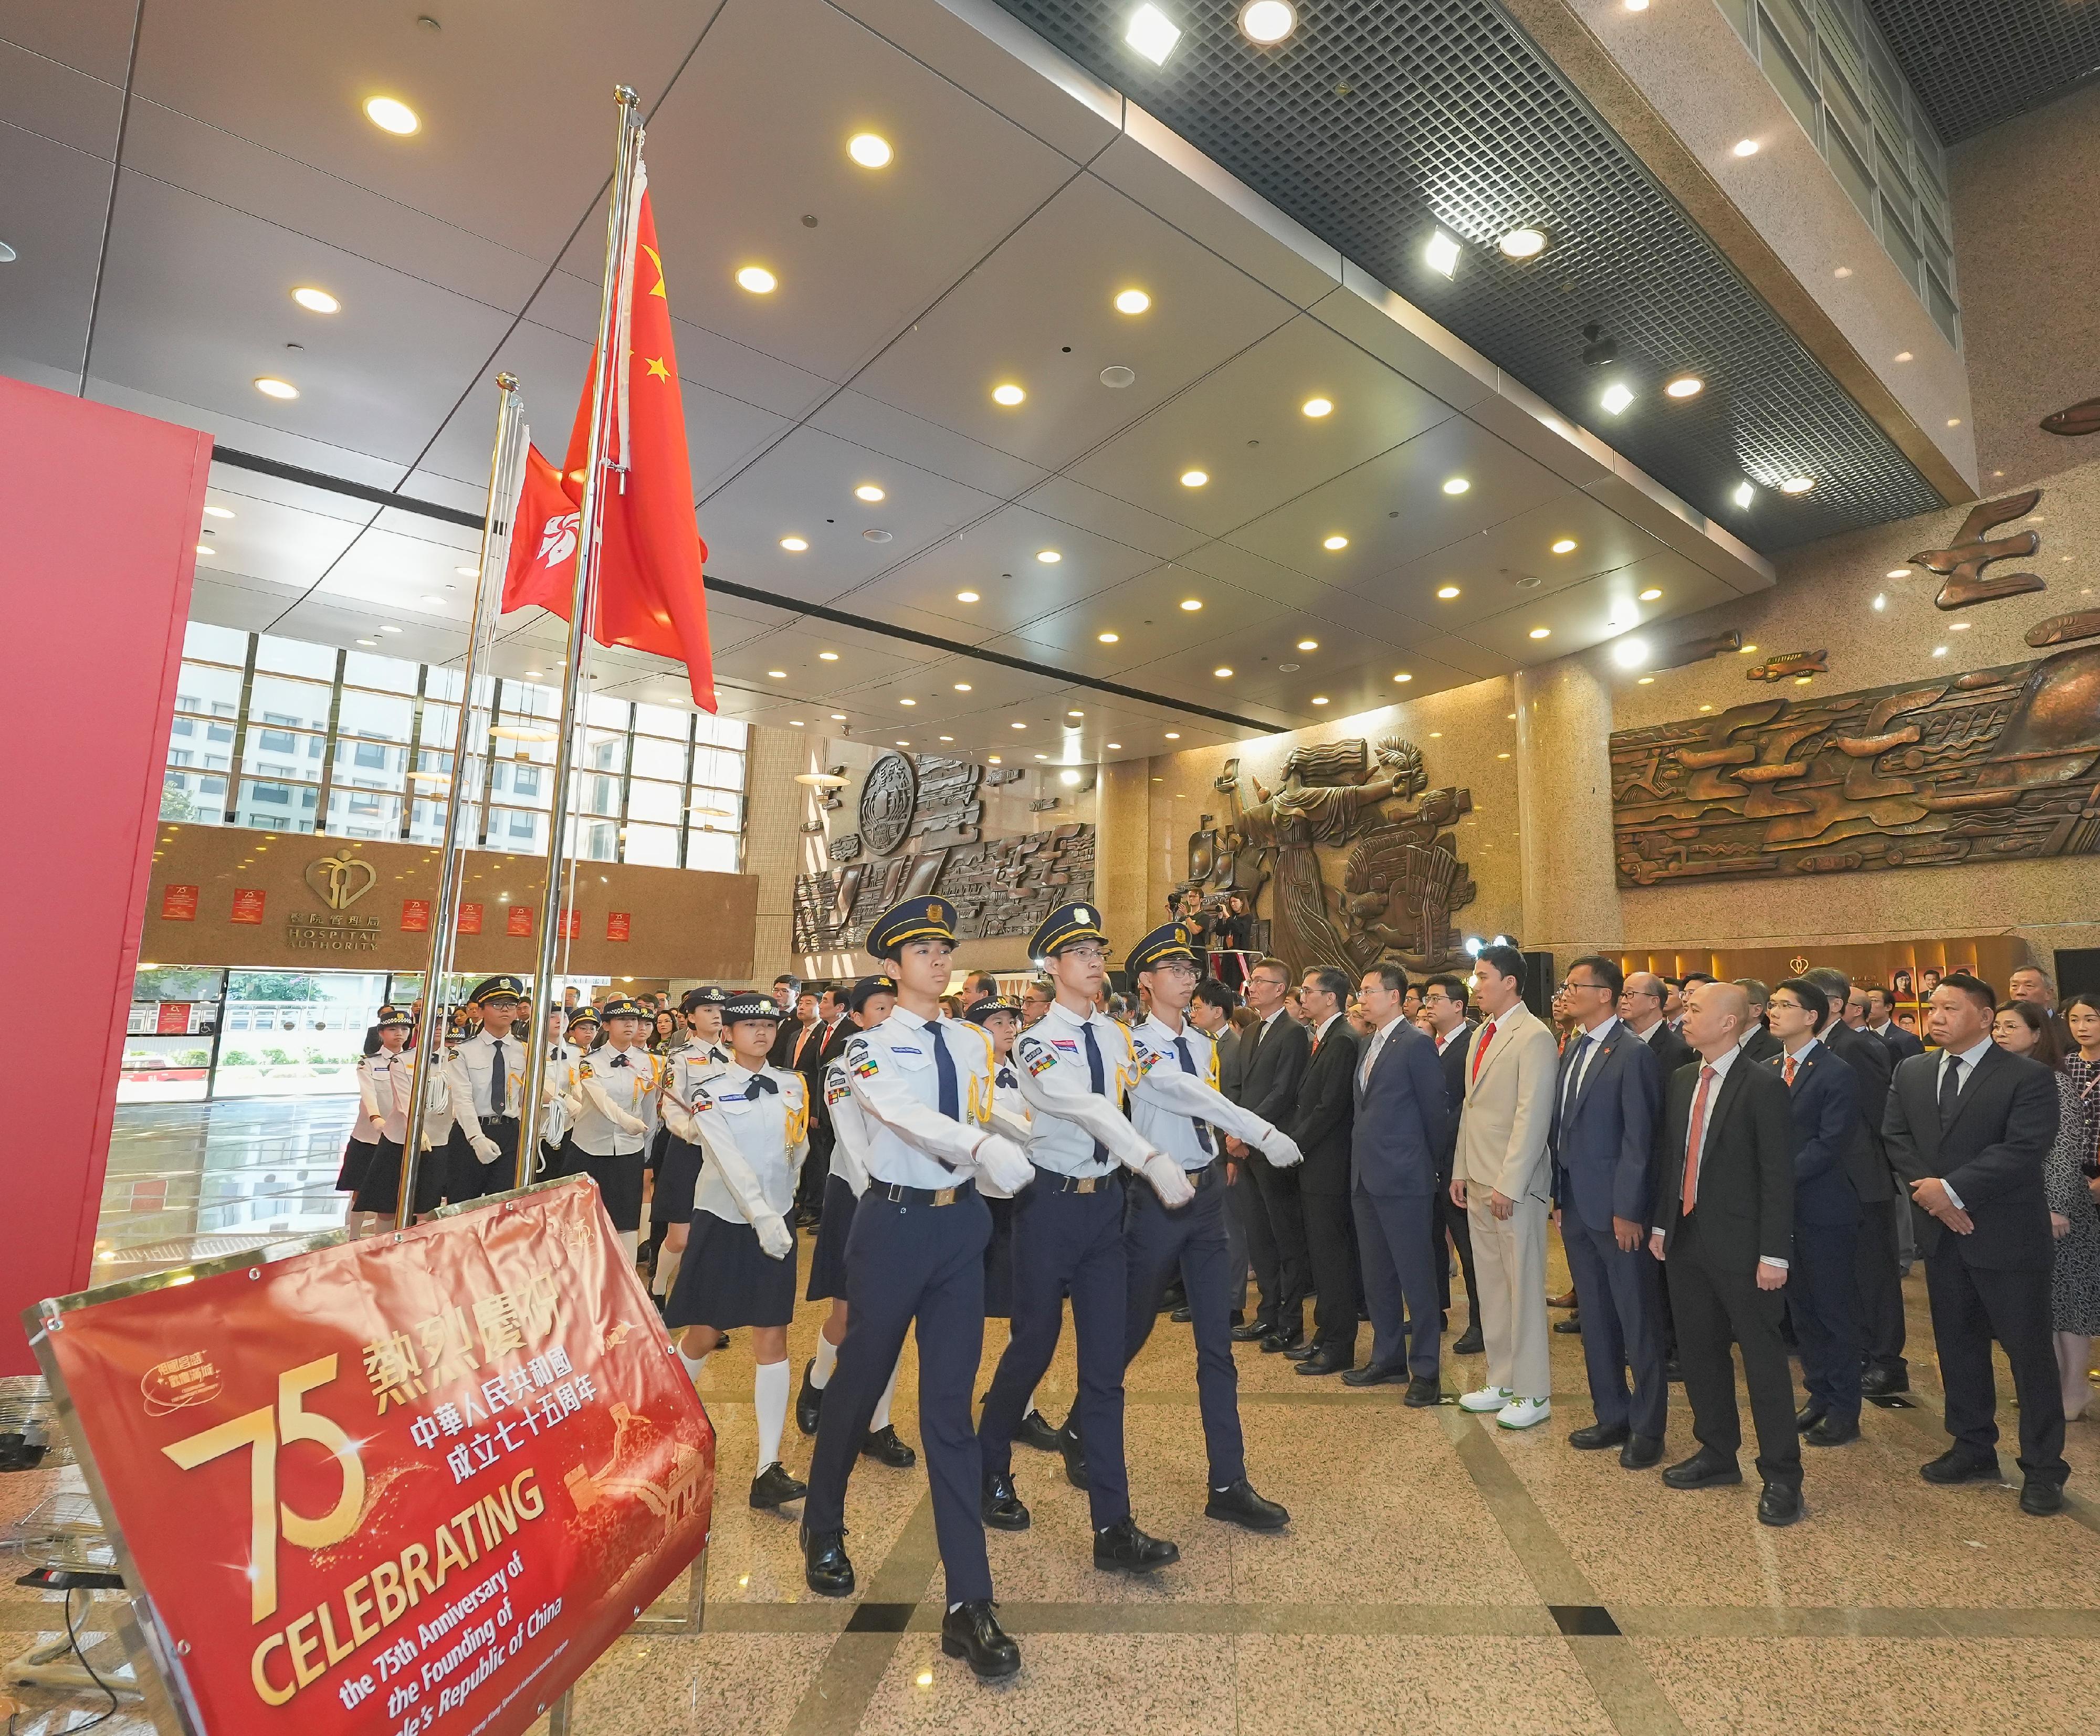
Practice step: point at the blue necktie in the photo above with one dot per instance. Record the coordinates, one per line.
(1574, 1073)
(1189, 1065)
(944, 1065)
(499, 1079)
(1097, 1077)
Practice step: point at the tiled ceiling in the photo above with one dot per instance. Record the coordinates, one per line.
(1974, 62)
(990, 249)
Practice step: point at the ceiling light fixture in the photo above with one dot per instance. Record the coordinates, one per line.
(757, 279)
(796, 723)
(317, 301)
(1008, 394)
(1223, 671)
(869, 492)
(205, 548)
(1316, 407)
(1447, 592)
(534, 675)
(431, 602)
(1442, 254)
(1629, 654)
(1132, 301)
(1903, 355)
(1118, 746)
(1615, 397)
(390, 629)
(1173, 735)
(1746, 148)
(1651, 594)
(372, 643)
(1152, 33)
(1565, 545)
(390, 116)
(1685, 385)
(1457, 485)
(827, 657)
(1541, 632)
(1523, 243)
(1048, 556)
(962, 687)
(468, 572)
(1265, 23)
(1108, 638)
(794, 544)
(1797, 485)
(1016, 724)
(966, 596)
(1194, 478)
(1190, 605)
(1403, 677)
(1075, 712)
(1309, 645)
(776, 675)
(1636, 6)
(947, 738)
(217, 511)
(272, 387)
(991, 759)
(1319, 698)
(908, 700)
(1333, 543)
(870, 150)
(1744, 493)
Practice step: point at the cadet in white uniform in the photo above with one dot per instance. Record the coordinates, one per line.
(364, 1126)
(752, 1121)
(867, 1006)
(486, 1075)
(612, 1108)
(387, 1088)
(564, 1059)
(554, 1120)
(678, 1168)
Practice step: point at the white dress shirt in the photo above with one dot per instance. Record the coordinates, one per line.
(754, 1142)
(468, 1069)
(1056, 1081)
(1169, 1101)
(602, 1083)
(894, 1078)
(1596, 1034)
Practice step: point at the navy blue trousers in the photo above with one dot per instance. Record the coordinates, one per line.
(1067, 1241)
(907, 1262)
(1619, 1294)
(1401, 1254)
(1195, 1239)
(1822, 1296)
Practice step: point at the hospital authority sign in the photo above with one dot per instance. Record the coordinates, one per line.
(414, 1483)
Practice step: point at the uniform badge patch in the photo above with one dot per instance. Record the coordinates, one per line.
(1034, 1057)
(860, 1060)
(1065, 1043)
(837, 1092)
(702, 1099)
(584, 1067)
(1146, 1059)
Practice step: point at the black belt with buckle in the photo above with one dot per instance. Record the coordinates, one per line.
(898, 1194)
(1059, 1182)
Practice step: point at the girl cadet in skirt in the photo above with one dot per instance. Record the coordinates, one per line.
(564, 1074)
(752, 1122)
(371, 1112)
(553, 1118)
(613, 1107)
(868, 1005)
(387, 1087)
(678, 1169)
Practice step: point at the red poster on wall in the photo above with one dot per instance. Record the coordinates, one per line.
(572, 925)
(247, 905)
(173, 1019)
(469, 922)
(518, 919)
(415, 916)
(408, 1483)
(179, 904)
(615, 925)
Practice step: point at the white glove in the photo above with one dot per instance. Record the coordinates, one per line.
(629, 1124)
(485, 1148)
(1168, 1180)
(774, 1236)
(1281, 1149)
(1004, 1165)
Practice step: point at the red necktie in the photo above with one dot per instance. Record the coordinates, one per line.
(1788, 1070)
(1690, 1195)
(1480, 1054)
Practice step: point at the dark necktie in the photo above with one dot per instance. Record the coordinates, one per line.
(760, 1086)
(944, 1067)
(1189, 1065)
(553, 1052)
(1097, 1077)
(619, 1060)
(1574, 1073)
(1950, 1089)
(499, 1078)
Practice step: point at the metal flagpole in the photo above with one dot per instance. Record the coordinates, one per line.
(503, 479)
(610, 360)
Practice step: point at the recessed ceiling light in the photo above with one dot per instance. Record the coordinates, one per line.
(534, 675)
(1903, 355)
(1043, 756)
(271, 387)
(1615, 397)
(1744, 493)
(1016, 724)
(1194, 478)
(1132, 301)
(1117, 745)
(794, 544)
(217, 511)
(1108, 638)
(1008, 394)
(1457, 485)
(962, 687)
(1223, 671)
(1441, 253)
(870, 150)
(1173, 735)
(372, 643)
(1746, 148)
(757, 279)
(1636, 6)
(904, 744)
(1152, 33)
(1048, 556)
(1447, 592)
(796, 723)
(205, 548)
(1309, 645)
(1940, 650)
(468, 572)
(1565, 545)
(317, 301)
(1403, 677)
(838, 717)
(1267, 22)
(1541, 632)
(1899, 572)
(1523, 243)
(390, 629)
(947, 738)
(1953, 421)
(776, 675)
(1319, 698)
(1334, 542)
(869, 492)
(1190, 605)
(966, 596)
(1317, 407)
(1797, 485)
(1629, 654)
(431, 602)
(391, 116)
(1685, 385)
(827, 657)
(908, 700)
(1651, 594)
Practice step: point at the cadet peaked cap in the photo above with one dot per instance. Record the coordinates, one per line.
(915, 919)
(748, 1004)
(696, 998)
(584, 1015)
(1064, 926)
(978, 1013)
(1162, 945)
(391, 1020)
(622, 1006)
(866, 990)
(498, 989)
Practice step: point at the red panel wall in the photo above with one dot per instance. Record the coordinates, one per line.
(100, 511)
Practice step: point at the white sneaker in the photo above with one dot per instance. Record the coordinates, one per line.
(1524, 1413)
(1487, 1398)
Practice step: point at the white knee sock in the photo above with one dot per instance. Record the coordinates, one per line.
(667, 1268)
(880, 1420)
(768, 1392)
(827, 1360)
(693, 1364)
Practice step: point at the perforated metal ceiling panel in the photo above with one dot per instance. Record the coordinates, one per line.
(1374, 124)
(1974, 62)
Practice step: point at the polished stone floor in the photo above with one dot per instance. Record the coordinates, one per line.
(1438, 1575)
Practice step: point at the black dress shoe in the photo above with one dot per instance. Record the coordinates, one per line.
(1879, 1383)
(1075, 1451)
(1238, 1505)
(1597, 1436)
(1284, 1338)
(1035, 1431)
(1470, 1342)
(1778, 1504)
(1673, 1370)
(972, 1632)
(1833, 1431)
(1372, 1374)
(1640, 1451)
(1182, 1315)
(2041, 1496)
(826, 1568)
(809, 1401)
(1703, 1470)
(1253, 1331)
(1325, 1362)
(1957, 1465)
(883, 1446)
(1573, 1322)
(1001, 1510)
(1808, 1416)
(1123, 1548)
(1422, 1394)
(1236, 1319)
(773, 1485)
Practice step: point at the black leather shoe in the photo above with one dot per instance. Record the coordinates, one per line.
(1325, 1362)
(1253, 1331)
(772, 1486)
(1182, 1315)
(1035, 1431)
(1001, 1510)
(1573, 1322)
(883, 1446)
(1075, 1451)
(1673, 1370)
(1123, 1548)
(972, 1632)
(809, 1401)
(1597, 1436)
(1808, 1416)
(1878, 1383)
(1238, 1319)
(1833, 1431)
(1238, 1505)
(1640, 1451)
(1703, 1470)
(1778, 1504)
(1469, 1343)
(1284, 1338)
(1957, 1465)
(2041, 1496)
(1422, 1394)
(826, 1568)
(1371, 1374)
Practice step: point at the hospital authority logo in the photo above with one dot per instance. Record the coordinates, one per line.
(179, 1382)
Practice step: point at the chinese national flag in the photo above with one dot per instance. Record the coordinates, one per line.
(650, 596)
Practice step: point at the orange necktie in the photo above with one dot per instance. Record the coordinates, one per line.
(1692, 1149)
(1788, 1070)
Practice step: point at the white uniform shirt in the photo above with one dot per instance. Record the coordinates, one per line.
(754, 1141)
(563, 1060)
(1056, 1081)
(385, 1083)
(849, 1127)
(683, 1070)
(632, 1089)
(1168, 1100)
(467, 1074)
(1010, 1112)
(894, 1079)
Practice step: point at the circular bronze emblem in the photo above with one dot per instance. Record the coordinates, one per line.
(886, 801)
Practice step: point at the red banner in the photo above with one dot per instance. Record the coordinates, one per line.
(518, 919)
(247, 905)
(615, 925)
(173, 1019)
(415, 915)
(179, 904)
(572, 925)
(469, 922)
(411, 1483)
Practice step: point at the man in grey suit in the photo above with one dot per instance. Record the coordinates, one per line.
(1605, 1102)
(1396, 1148)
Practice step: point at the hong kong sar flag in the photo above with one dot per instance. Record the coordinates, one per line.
(648, 591)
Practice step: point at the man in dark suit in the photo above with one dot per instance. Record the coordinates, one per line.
(1640, 1005)
(1725, 1230)
(1969, 1129)
(1882, 1021)
(1605, 1098)
(1443, 999)
(1397, 1148)
(1823, 1288)
(1275, 1054)
(1327, 1113)
(1758, 1042)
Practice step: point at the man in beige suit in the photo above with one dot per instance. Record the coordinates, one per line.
(1502, 1179)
